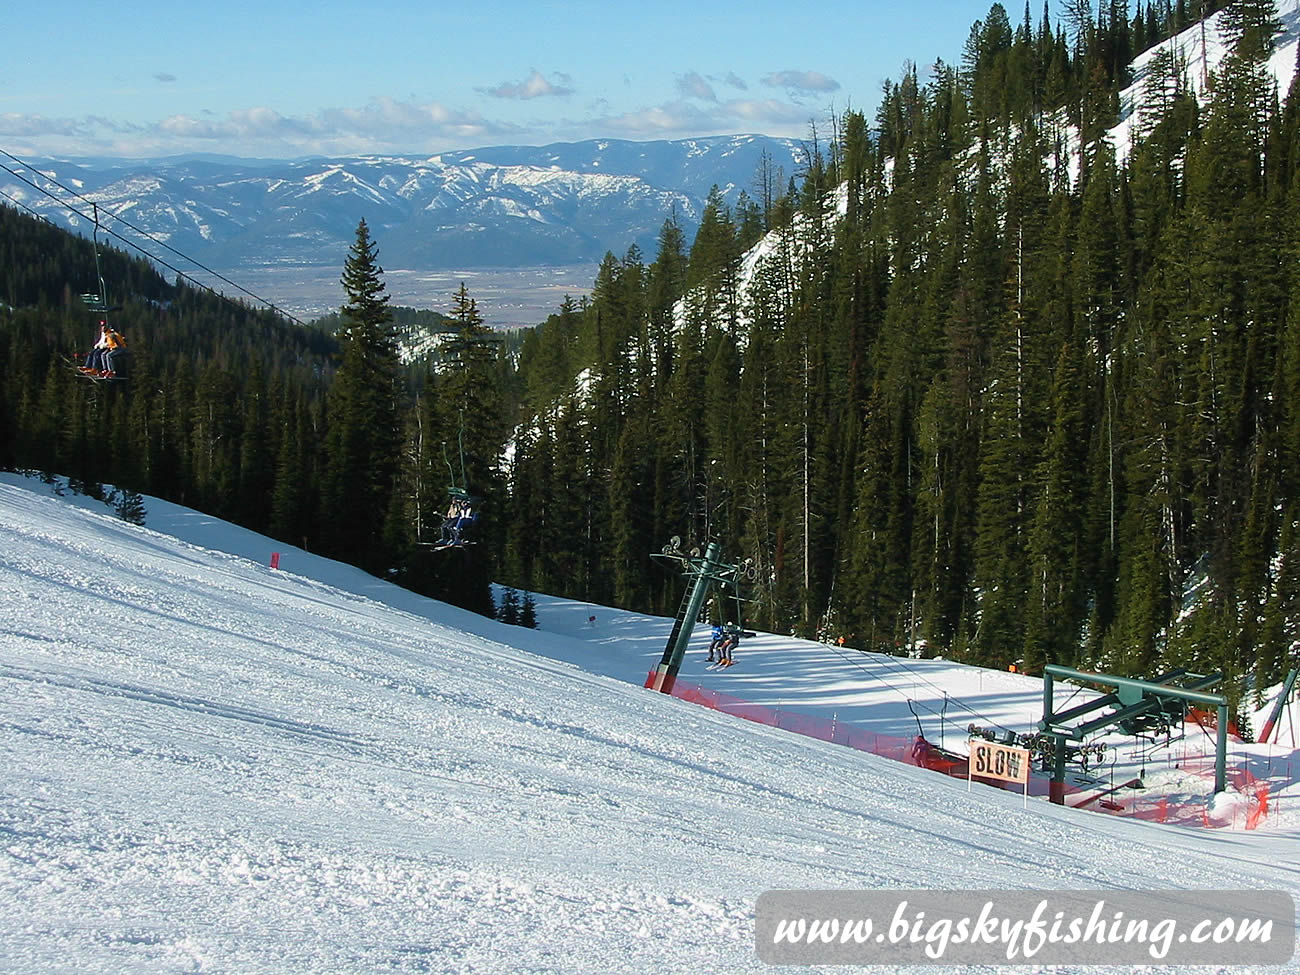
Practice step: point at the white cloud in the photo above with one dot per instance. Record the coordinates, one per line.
(15, 125)
(381, 125)
(385, 125)
(693, 85)
(682, 119)
(768, 111)
(801, 81)
(251, 123)
(534, 86)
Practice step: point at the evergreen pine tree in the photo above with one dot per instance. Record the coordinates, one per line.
(365, 414)
(528, 612)
(130, 507)
(509, 611)
(256, 455)
(469, 406)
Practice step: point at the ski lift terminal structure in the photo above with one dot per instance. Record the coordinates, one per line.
(1140, 706)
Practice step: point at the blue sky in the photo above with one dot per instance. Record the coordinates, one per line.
(284, 78)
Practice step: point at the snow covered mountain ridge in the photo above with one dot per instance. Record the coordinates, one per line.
(1198, 51)
(504, 206)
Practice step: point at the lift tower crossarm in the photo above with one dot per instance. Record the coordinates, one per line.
(1136, 697)
(1186, 694)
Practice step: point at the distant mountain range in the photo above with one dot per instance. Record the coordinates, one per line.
(508, 206)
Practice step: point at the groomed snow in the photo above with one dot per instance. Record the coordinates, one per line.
(211, 766)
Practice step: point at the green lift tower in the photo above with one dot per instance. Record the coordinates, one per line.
(704, 572)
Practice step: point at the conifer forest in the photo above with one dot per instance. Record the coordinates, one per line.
(991, 386)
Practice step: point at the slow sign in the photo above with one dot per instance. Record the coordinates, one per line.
(993, 761)
(989, 760)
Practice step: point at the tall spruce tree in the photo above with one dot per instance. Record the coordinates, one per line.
(364, 440)
(469, 408)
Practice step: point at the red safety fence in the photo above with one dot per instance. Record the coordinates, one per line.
(917, 751)
(1208, 721)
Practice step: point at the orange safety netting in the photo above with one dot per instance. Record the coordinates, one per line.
(918, 751)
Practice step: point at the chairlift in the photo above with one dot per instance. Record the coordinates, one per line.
(462, 506)
(97, 304)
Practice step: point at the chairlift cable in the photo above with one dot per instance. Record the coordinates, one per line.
(157, 260)
(451, 472)
(143, 233)
(460, 447)
(899, 662)
(19, 203)
(895, 660)
(869, 673)
(99, 274)
(463, 486)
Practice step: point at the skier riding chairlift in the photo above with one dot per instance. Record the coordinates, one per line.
(107, 360)
(460, 518)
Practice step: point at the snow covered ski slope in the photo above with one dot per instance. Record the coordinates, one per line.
(211, 766)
